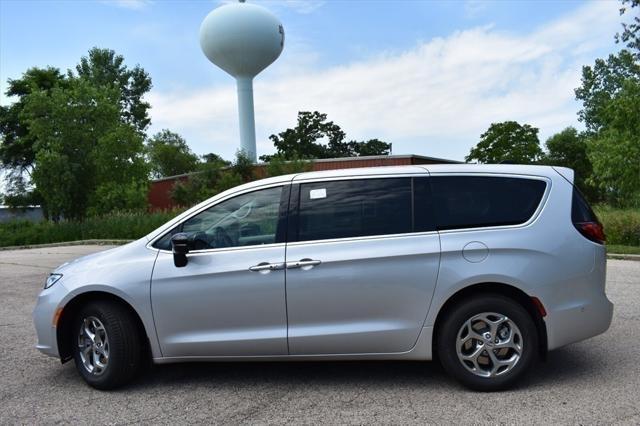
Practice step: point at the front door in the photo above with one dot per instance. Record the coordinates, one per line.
(216, 305)
(362, 269)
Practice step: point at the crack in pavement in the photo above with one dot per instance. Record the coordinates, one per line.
(26, 265)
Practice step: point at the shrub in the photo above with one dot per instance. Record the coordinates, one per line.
(117, 225)
(278, 166)
(622, 226)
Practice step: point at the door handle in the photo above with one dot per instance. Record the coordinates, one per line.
(304, 264)
(265, 267)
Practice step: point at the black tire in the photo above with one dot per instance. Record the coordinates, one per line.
(458, 315)
(125, 346)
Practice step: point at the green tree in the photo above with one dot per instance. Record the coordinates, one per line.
(615, 149)
(22, 138)
(371, 147)
(103, 67)
(507, 142)
(169, 155)
(278, 166)
(601, 84)
(215, 158)
(84, 153)
(211, 179)
(568, 148)
(121, 171)
(18, 194)
(630, 32)
(315, 137)
(17, 143)
(610, 111)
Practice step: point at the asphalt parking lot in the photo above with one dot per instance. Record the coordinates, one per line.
(593, 382)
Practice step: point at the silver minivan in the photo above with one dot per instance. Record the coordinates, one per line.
(484, 267)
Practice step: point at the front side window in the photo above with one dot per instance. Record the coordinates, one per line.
(354, 208)
(479, 201)
(246, 220)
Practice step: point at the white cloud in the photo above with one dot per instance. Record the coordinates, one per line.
(303, 6)
(129, 4)
(434, 99)
(300, 6)
(473, 8)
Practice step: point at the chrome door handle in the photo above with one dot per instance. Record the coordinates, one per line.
(304, 264)
(266, 267)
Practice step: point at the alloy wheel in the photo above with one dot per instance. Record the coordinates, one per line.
(93, 345)
(489, 344)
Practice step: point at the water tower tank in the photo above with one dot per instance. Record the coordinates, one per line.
(242, 39)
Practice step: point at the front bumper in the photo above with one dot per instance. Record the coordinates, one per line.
(43, 314)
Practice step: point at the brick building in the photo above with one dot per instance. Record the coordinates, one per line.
(160, 191)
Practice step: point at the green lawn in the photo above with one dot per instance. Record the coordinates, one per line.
(620, 249)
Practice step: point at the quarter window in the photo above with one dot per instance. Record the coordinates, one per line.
(472, 202)
(354, 208)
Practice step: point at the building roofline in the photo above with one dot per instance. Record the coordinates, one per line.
(335, 160)
(174, 177)
(383, 157)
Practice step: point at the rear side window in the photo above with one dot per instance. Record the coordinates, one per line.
(473, 202)
(580, 210)
(354, 208)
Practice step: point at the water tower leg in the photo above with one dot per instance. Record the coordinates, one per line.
(247, 120)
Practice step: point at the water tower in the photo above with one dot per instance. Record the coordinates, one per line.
(242, 39)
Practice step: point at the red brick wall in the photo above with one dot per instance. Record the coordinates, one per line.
(159, 193)
(159, 196)
(352, 164)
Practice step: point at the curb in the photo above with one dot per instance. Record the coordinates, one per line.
(635, 257)
(69, 243)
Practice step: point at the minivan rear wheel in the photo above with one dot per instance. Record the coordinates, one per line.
(487, 342)
(107, 344)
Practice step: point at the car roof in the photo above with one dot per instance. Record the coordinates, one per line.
(431, 168)
(360, 171)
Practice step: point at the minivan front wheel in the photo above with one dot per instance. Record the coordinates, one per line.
(487, 342)
(107, 344)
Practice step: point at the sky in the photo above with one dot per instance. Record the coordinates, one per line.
(427, 76)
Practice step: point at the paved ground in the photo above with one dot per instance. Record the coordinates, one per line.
(593, 382)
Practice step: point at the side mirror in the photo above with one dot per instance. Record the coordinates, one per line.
(180, 247)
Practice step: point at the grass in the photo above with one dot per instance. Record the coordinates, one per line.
(621, 226)
(119, 225)
(620, 249)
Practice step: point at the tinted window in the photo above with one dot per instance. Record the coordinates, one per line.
(471, 202)
(424, 216)
(580, 210)
(354, 208)
(246, 220)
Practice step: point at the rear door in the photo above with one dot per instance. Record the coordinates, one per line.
(361, 269)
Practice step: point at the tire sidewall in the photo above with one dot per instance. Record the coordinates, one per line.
(111, 377)
(448, 334)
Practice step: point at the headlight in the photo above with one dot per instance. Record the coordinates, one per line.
(52, 279)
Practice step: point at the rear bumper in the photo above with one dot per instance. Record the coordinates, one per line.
(578, 322)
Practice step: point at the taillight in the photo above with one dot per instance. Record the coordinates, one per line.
(592, 230)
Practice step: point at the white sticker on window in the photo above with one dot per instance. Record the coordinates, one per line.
(318, 193)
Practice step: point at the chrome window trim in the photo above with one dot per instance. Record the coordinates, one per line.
(354, 177)
(364, 238)
(228, 249)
